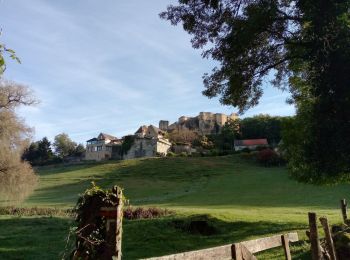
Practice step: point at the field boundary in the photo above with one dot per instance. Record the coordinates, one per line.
(238, 251)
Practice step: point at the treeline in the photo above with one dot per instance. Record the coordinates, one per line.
(43, 152)
(256, 127)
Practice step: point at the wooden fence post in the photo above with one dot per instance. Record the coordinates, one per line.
(315, 243)
(329, 239)
(285, 244)
(114, 220)
(343, 206)
(236, 251)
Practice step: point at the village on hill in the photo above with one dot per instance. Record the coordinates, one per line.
(150, 141)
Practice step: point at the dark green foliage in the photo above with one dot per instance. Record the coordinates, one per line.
(306, 44)
(262, 126)
(127, 143)
(40, 153)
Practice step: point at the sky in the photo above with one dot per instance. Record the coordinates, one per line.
(108, 66)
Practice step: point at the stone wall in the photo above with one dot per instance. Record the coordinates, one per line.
(205, 123)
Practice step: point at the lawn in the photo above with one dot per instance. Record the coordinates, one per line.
(239, 198)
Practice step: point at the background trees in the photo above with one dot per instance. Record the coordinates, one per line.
(63, 145)
(305, 45)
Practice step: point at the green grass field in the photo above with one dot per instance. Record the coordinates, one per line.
(239, 198)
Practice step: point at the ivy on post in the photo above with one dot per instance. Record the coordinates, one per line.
(99, 214)
(114, 218)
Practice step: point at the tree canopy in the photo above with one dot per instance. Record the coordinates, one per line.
(303, 45)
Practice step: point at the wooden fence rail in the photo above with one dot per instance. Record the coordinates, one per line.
(238, 251)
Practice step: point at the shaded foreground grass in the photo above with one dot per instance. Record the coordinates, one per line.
(44, 237)
(242, 199)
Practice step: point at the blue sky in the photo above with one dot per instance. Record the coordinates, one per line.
(108, 66)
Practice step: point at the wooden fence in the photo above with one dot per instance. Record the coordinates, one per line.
(238, 251)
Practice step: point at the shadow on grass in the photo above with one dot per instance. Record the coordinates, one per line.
(33, 238)
(44, 238)
(148, 238)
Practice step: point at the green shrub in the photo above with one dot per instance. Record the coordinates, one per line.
(183, 154)
(249, 156)
(171, 154)
(246, 150)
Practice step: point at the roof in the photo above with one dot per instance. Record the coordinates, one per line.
(141, 130)
(251, 142)
(107, 136)
(156, 129)
(92, 139)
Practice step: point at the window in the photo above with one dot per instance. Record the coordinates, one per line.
(99, 148)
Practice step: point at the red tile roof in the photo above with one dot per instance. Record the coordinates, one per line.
(251, 142)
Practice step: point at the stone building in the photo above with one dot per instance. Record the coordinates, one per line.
(149, 141)
(205, 123)
(102, 147)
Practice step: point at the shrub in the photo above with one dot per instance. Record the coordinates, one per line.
(214, 152)
(131, 213)
(171, 154)
(268, 157)
(249, 156)
(245, 150)
(183, 154)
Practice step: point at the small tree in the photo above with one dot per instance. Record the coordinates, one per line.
(79, 150)
(230, 132)
(64, 146)
(39, 153)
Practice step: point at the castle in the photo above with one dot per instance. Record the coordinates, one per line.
(205, 123)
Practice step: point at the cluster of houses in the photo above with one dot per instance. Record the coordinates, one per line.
(148, 141)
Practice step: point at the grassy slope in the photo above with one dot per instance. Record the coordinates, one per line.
(243, 201)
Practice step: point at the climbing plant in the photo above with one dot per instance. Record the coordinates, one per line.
(90, 230)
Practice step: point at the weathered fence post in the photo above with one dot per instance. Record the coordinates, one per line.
(329, 239)
(236, 251)
(285, 244)
(343, 206)
(315, 243)
(114, 217)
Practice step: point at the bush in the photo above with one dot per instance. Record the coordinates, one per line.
(249, 156)
(183, 154)
(268, 157)
(145, 213)
(214, 152)
(245, 150)
(171, 154)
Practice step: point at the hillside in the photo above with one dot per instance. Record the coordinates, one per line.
(241, 199)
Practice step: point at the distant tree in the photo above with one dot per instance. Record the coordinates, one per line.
(64, 146)
(229, 132)
(17, 179)
(79, 150)
(39, 153)
(44, 149)
(262, 126)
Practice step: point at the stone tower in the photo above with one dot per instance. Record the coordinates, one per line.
(163, 125)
